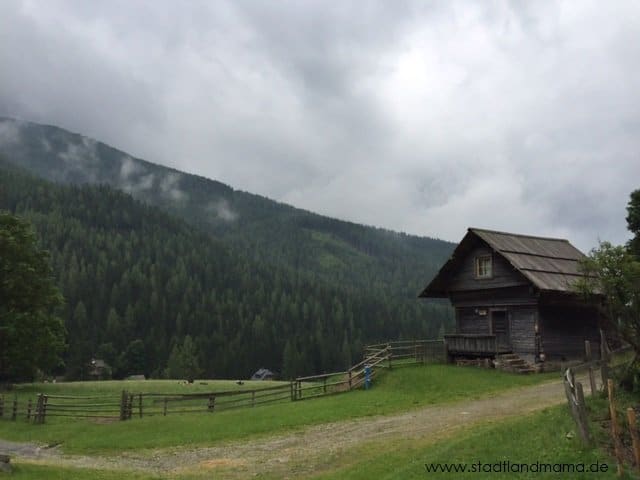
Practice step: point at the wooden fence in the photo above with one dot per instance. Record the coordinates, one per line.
(128, 405)
(409, 352)
(376, 356)
(14, 409)
(336, 382)
(144, 404)
(577, 405)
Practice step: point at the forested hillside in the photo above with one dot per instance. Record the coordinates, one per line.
(344, 253)
(138, 282)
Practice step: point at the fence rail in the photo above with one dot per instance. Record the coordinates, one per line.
(127, 405)
(412, 351)
(376, 356)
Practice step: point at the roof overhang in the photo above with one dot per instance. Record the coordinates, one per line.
(438, 287)
(548, 264)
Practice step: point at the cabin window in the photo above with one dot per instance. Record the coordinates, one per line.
(483, 266)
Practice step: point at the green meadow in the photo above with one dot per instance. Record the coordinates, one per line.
(401, 389)
(545, 436)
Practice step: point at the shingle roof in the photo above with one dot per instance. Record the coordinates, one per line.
(550, 264)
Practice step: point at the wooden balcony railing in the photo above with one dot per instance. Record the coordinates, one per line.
(461, 343)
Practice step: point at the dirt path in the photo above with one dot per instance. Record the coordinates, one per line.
(310, 447)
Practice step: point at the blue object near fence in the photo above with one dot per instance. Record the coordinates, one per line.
(367, 377)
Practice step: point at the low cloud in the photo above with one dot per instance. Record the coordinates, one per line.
(80, 154)
(223, 211)
(81, 160)
(9, 132)
(134, 177)
(129, 167)
(46, 145)
(169, 185)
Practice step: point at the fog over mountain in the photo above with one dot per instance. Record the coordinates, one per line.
(424, 117)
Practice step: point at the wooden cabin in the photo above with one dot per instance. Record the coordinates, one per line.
(514, 297)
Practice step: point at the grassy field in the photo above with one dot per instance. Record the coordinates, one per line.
(547, 436)
(402, 389)
(114, 387)
(102, 399)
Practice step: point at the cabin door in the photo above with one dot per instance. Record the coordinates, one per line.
(500, 328)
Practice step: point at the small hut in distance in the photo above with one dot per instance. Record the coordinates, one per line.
(515, 300)
(263, 374)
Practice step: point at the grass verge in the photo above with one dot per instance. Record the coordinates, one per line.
(547, 437)
(30, 471)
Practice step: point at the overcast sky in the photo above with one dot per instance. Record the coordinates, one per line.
(423, 117)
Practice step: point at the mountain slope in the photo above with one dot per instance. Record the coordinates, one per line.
(137, 281)
(345, 253)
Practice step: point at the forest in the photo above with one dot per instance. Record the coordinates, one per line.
(146, 290)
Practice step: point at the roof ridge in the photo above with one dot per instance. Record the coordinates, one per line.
(474, 230)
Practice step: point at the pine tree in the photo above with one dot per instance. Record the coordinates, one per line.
(31, 335)
(183, 361)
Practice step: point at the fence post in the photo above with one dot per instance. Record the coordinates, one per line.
(324, 386)
(299, 394)
(592, 381)
(38, 413)
(589, 358)
(140, 404)
(575, 398)
(253, 398)
(164, 410)
(293, 393)
(604, 373)
(29, 410)
(582, 413)
(615, 431)
(349, 379)
(130, 406)
(633, 430)
(14, 409)
(389, 355)
(604, 348)
(123, 405)
(587, 350)
(212, 403)
(45, 400)
(1, 405)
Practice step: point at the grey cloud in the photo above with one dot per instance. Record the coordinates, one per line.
(9, 133)
(134, 177)
(425, 117)
(169, 185)
(79, 154)
(223, 211)
(81, 160)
